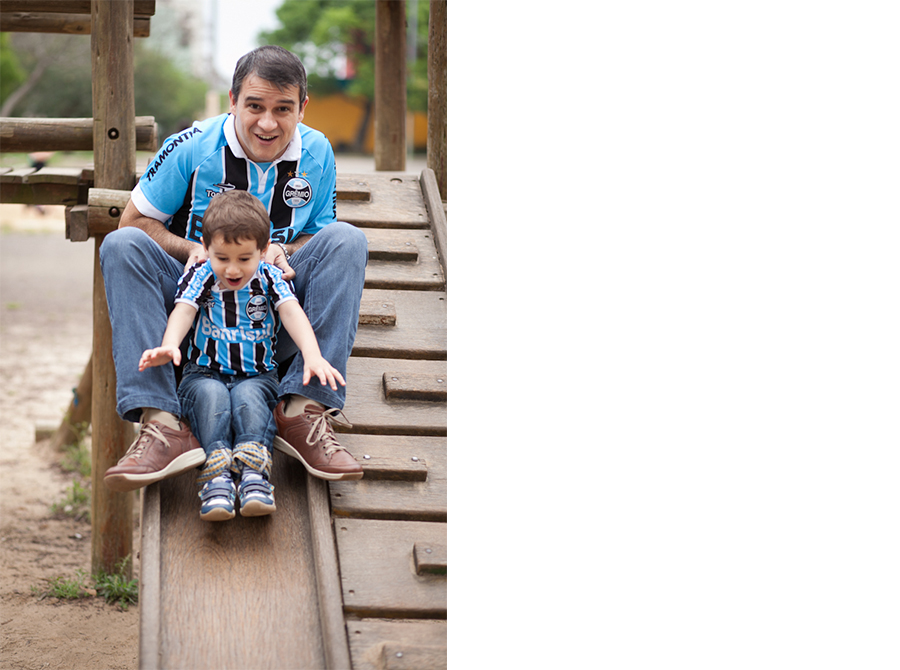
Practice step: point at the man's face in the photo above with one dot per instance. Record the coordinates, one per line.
(265, 117)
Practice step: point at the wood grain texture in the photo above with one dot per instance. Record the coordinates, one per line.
(240, 593)
(141, 7)
(370, 412)
(112, 76)
(396, 202)
(415, 386)
(425, 273)
(390, 85)
(418, 331)
(378, 574)
(374, 641)
(40, 134)
(436, 214)
(382, 493)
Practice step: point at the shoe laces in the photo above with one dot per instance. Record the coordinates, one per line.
(148, 433)
(321, 429)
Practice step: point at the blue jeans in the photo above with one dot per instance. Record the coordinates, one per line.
(141, 280)
(226, 410)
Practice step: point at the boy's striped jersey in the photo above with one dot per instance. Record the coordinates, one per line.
(234, 331)
(298, 189)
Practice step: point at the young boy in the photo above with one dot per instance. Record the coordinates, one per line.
(229, 386)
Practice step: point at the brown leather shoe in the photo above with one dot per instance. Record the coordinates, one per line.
(159, 452)
(310, 439)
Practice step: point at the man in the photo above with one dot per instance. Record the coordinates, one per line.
(262, 147)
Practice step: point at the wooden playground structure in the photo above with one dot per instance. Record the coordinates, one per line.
(345, 574)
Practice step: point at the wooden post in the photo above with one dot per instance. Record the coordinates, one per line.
(78, 415)
(112, 56)
(436, 157)
(390, 85)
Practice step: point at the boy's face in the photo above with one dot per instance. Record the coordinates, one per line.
(234, 263)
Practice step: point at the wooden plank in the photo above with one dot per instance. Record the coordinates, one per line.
(141, 7)
(436, 215)
(248, 579)
(328, 586)
(350, 187)
(381, 493)
(418, 329)
(430, 558)
(371, 413)
(404, 458)
(38, 134)
(393, 245)
(77, 223)
(52, 22)
(423, 274)
(373, 642)
(396, 202)
(150, 583)
(377, 573)
(105, 207)
(415, 386)
(375, 312)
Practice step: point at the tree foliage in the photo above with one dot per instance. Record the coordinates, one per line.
(11, 73)
(322, 32)
(56, 82)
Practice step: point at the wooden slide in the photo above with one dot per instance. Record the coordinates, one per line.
(345, 574)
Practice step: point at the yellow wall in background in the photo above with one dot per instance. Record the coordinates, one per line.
(339, 116)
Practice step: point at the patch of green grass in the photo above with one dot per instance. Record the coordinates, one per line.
(67, 589)
(117, 588)
(76, 503)
(12, 306)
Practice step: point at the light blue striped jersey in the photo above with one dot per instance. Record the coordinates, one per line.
(193, 166)
(234, 331)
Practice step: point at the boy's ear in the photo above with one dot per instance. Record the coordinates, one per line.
(265, 248)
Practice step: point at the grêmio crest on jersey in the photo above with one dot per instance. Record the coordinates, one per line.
(297, 192)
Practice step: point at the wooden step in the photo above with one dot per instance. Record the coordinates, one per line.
(393, 202)
(402, 324)
(371, 412)
(405, 478)
(377, 644)
(378, 573)
(421, 272)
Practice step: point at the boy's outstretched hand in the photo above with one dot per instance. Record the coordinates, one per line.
(159, 356)
(323, 370)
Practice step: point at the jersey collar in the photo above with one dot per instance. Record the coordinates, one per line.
(292, 153)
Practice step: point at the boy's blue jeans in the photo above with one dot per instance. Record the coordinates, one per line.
(228, 410)
(141, 280)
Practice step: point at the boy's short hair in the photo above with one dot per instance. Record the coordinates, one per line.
(236, 215)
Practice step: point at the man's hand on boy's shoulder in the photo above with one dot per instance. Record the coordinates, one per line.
(275, 256)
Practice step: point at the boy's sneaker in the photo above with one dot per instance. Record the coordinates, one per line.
(217, 499)
(158, 452)
(310, 439)
(257, 494)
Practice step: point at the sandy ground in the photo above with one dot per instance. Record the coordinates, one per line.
(45, 343)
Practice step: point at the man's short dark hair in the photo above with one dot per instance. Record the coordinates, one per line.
(274, 64)
(236, 215)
